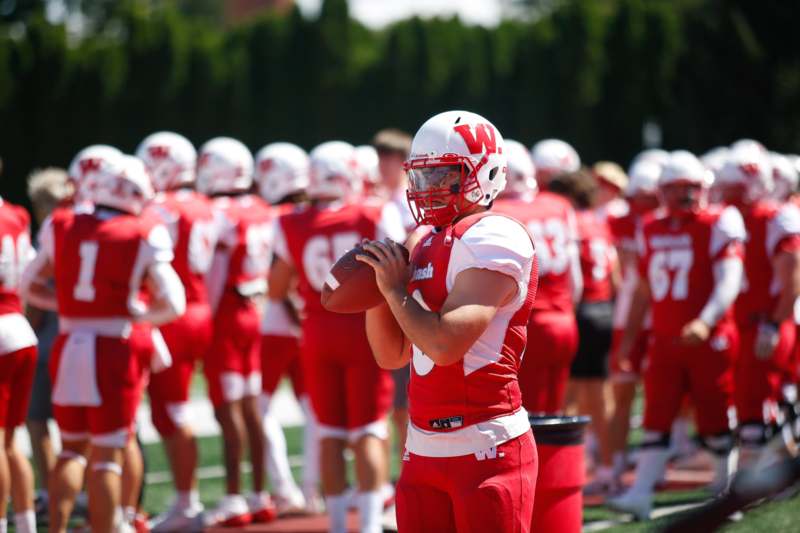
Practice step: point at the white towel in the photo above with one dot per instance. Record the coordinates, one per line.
(76, 383)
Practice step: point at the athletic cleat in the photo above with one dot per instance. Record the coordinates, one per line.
(262, 509)
(231, 511)
(178, 519)
(639, 505)
(315, 503)
(293, 502)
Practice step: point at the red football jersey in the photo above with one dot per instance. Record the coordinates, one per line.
(100, 260)
(677, 259)
(482, 386)
(245, 230)
(190, 221)
(313, 238)
(597, 256)
(771, 228)
(15, 253)
(550, 218)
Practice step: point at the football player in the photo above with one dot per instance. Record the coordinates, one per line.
(281, 175)
(550, 218)
(171, 159)
(690, 268)
(764, 309)
(553, 157)
(459, 314)
(17, 367)
(237, 279)
(350, 395)
(642, 196)
(111, 270)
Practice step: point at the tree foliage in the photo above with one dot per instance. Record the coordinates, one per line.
(708, 71)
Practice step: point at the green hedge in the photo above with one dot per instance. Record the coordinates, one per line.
(589, 71)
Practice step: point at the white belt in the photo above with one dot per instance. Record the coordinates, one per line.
(104, 327)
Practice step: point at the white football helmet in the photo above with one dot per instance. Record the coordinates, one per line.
(750, 167)
(643, 178)
(333, 171)
(457, 160)
(656, 155)
(554, 156)
(683, 167)
(745, 144)
(170, 158)
(225, 165)
(88, 161)
(784, 176)
(521, 178)
(121, 183)
(367, 159)
(281, 170)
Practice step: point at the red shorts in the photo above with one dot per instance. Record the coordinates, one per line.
(543, 375)
(758, 382)
(187, 339)
(492, 491)
(350, 394)
(280, 355)
(637, 357)
(16, 379)
(703, 372)
(121, 366)
(233, 362)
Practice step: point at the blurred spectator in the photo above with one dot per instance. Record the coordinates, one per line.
(611, 182)
(46, 188)
(393, 147)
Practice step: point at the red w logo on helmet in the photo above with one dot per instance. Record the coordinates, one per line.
(749, 169)
(484, 139)
(158, 152)
(266, 165)
(90, 164)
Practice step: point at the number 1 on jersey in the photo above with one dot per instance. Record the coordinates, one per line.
(84, 290)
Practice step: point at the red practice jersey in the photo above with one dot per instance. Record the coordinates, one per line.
(15, 253)
(550, 218)
(100, 260)
(677, 259)
(597, 255)
(190, 221)
(313, 238)
(245, 231)
(473, 404)
(771, 228)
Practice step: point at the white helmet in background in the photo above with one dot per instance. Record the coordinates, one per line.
(655, 155)
(683, 167)
(333, 171)
(715, 159)
(748, 144)
(554, 156)
(224, 165)
(170, 158)
(367, 160)
(643, 178)
(281, 170)
(784, 176)
(521, 178)
(121, 183)
(88, 161)
(457, 160)
(750, 167)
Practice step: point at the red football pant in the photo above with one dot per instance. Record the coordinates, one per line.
(758, 381)
(121, 366)
(543, 375)
(187, 339)
(232, 364)
(280, 355)
(348, 390)
(471, 493)
(16, 379)
(703, 372)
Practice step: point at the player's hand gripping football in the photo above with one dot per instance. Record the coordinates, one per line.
(392, 270)
(695, 332)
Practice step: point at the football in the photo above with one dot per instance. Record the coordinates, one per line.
(350, 286)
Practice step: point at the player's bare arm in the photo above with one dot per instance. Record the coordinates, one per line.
(34, 286)
(445, 336)
(169, 300)
(786, 269)
(728, 273)
(281, 276)
(633, 325)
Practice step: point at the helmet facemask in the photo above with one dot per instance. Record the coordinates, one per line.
(442, 188)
